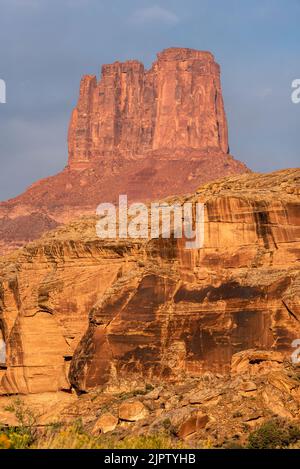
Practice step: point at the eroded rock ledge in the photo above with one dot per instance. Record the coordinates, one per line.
(79, 312)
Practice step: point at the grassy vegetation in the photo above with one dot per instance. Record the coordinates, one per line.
(72, 438)
(25, 435)
(275, 433)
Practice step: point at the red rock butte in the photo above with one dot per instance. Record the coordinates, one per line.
(132, 111)
(145, 133)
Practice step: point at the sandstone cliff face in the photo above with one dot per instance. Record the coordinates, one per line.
(176, 104)
(145, 133)
(46, 296)
(126, 310)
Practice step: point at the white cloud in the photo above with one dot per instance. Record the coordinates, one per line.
(154, 14)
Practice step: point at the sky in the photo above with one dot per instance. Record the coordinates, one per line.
(47, 45)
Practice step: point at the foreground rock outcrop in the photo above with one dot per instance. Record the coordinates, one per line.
(212, 410)
(145, 133)
(77, 311)
(208, 411)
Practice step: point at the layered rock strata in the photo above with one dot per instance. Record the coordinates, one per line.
(145, 133)
(177, 104)
(80, 312)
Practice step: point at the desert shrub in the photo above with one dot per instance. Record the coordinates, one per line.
(4, 441)
(54, 426)
(19, 439)
(205, 444)
(167, 423)
(73, 438)
(136, 392)
(23, 434)
(155, 441)
(232, 444)
(276, 433)
(149, 387)
(128, 395)
(15, 438)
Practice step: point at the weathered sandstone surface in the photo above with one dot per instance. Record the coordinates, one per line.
(176, 104)
(77, 311)
(145, 133)
(206, 411)
(211, 410)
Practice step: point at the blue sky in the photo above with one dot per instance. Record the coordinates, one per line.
(47, 45)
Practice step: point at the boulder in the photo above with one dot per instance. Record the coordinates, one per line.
(197, 421)
(132, 411)
(106, 423)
